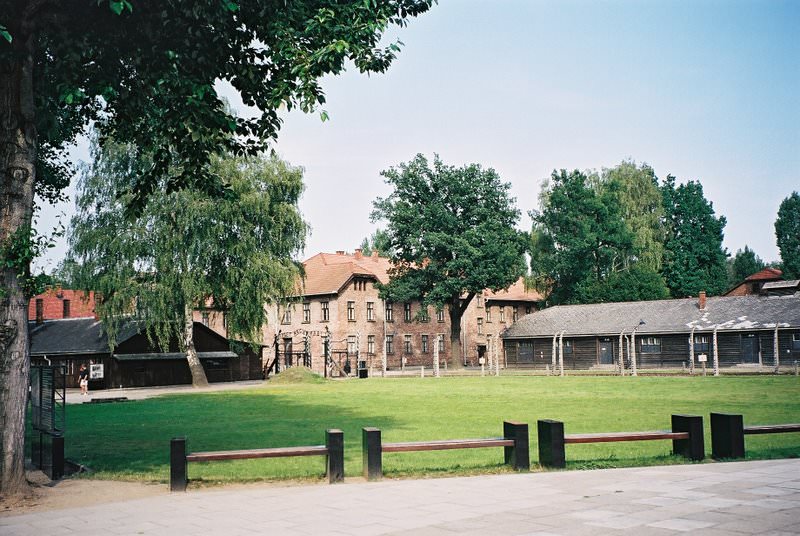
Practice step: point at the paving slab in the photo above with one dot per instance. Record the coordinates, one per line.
(758, 497)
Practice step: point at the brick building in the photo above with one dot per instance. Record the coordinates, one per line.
(753, 283)
(57, 303)
(339, 301)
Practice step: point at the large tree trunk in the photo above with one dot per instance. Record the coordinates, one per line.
(17, 176)
(458, 307)
(198, 373)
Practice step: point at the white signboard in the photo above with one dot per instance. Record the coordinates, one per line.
(702, 358)
(96, 372)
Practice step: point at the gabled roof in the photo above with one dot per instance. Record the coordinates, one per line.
(661, 316)
(516, 292)
(328, 273)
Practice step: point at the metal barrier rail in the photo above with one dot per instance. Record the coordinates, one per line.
(686, 436)
(333, 450)
(514, 443)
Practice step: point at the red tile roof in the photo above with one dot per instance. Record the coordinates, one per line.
(516, 292)
(765, 275)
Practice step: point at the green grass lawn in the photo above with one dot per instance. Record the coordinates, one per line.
(131, 440)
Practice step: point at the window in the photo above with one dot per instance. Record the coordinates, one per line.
(480, 301)
(407, 343)
(514, 314)
(205, 319)
(326, 315)
(701, 345)
(567, 347)
(407, 312)
(351, 345)
(65, 304)
(796, 341)
(441, 343)
(502, 313)
(480, 326)
(488, 314)
(527, 309)
(225, 320)
(360, 284)
(39, 311)
(424, 344)
(650, 345)
(370, 344)
(371, 311)
(287, 315)
(440, 315)
(306, 313)
(351, 311)
(389, 311)
(423, 315)
(390, 344)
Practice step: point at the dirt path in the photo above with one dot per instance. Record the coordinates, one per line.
(75, 493)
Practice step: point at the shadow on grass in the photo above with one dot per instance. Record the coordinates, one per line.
(131, 441)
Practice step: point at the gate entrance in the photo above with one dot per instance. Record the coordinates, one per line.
(47, 399)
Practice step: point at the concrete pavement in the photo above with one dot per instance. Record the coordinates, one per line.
(759, 497)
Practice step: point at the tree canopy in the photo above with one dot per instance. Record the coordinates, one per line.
(379, 242)
(187, 249)
(452, 234)
(694, 258)
(743, 264)
(787, 232)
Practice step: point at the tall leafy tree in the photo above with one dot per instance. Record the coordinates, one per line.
(787, 231)
(187, 248)
(452, 234)
(636, 190)
(579, 238)
(379, 242)
(743, 264)
(149, 69)
(694, 259)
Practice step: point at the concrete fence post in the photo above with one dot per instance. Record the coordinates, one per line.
(57, 457)
(334, 463)
(551, 443)
(727, 436)
(694, 447)
(178, 477)
(371, 453)
(517, 456)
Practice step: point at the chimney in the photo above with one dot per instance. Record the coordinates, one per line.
(375, 255)
(358, 254)
(701, 302)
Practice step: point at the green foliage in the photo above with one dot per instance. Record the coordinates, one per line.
(743, 264)
(186, 248)
(579, 238)
(149, 69)
(17, 252)
(451, 233)
(129, 441)
(787, 231)
(633, 284)
(694, 259)
(379, 241)
(636, 191)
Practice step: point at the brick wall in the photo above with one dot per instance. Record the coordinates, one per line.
(80, 305)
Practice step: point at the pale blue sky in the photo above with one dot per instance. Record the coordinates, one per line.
(701, 90)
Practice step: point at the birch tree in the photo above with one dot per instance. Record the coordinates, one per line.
(187, 249)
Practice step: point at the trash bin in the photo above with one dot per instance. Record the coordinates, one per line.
(363, 372)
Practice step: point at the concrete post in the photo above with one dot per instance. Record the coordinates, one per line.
(634, 372)
(561, 353)
(517, 456)
(727, 436)
(371, 453)
(551, 443)
(776, 349)
(694, 447)
(716, 354)
(178, 474)
(334, 463)
(691, 352)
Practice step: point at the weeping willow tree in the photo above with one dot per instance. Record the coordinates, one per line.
(186, 248)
